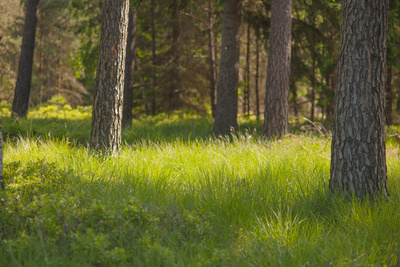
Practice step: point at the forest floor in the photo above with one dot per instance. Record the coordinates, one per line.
(176, 196)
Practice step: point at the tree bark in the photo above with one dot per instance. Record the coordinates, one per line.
(246, 98)
(358, 163)
(153, 61)
(108, 95)
(227, 95)
(211, 57)
(129, 69)
(23, 86)
(176, 54)
(257, 78)
(278, 71)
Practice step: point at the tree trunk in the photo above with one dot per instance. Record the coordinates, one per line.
(23, 86)
(153, 61)
(129, 70)
(211, 57)
(358, 163)
(108, 95)
(389, 96)
(278, 72)
(257, 79)
(246, 98)
(227, 94)
(176, 53)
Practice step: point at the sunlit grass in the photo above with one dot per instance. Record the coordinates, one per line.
(172, 200)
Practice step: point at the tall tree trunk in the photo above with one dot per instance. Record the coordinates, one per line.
(246, 98)
(211, 57)
(108, 95)
(153, 60)
(389, 95)
(257, 79)
(1, 156)
(358, 161)
(278, 72)
(23, 86)
(227, 94)
(176, 53)
(129, 69)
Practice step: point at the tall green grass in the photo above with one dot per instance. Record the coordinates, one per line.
(178, 197)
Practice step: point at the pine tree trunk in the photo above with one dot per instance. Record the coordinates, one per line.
(257, 79)
(358, 162)
(129, 70)
(153, 61)
(246, 106)
(23, 86)
(211, 57)
(108, 95)
(176, 53)
(227, 94)
(278, 72)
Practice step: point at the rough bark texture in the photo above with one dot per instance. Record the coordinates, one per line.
(278, 71)
(23, 86)
(358, 163)
(108, 96)
(1, 157)
(129, 70)
(227, 95)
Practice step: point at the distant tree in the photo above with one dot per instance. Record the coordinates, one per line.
(129, 69)
(278, 72)
(211, 55)
(23, 86)
(108, 97)
(227, 94)
(358, 160)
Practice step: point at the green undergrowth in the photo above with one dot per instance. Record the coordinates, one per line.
(213, 202)
(176, 196)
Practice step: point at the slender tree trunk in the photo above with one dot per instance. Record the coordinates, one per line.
(108, 95)
(127, 116)
(389, 95)
(153, 61)
(358, 162)
(314, 71)
(211, 57)
(278, 72)
(257, 80)
(246, 106)
(227, 94)
(176, 52)
(23, 86)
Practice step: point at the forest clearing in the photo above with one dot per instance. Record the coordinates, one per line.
(174, 196)
(199, 133)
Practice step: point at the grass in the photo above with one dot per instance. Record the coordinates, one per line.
(174, 196)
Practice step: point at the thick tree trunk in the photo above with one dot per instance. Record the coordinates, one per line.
(358, 163)
(108, 96)
(389, 96)
(211, 57)
(23, 86)
(278, 72)
(129, 70)
(227, 94)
